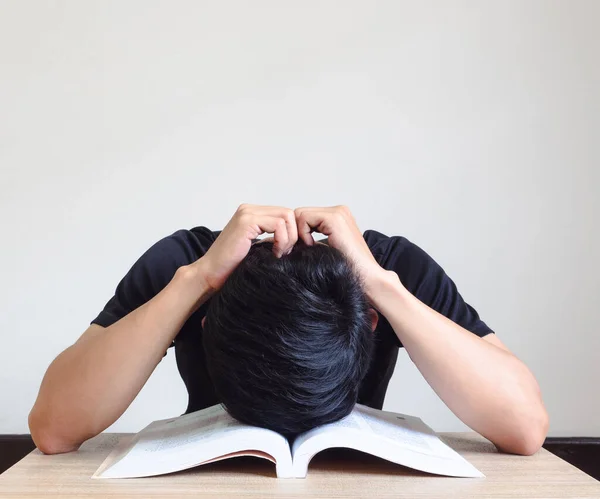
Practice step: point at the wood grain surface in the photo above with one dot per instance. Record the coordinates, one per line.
(336, 473)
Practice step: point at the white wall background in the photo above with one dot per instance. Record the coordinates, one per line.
(473, 128)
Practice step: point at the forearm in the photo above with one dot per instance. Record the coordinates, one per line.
(488, 388)
(89, 385)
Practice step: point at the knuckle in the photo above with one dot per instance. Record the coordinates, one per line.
(289, 217)
(245, 218)
(338, 215)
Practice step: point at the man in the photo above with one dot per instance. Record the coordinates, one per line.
(287, 333)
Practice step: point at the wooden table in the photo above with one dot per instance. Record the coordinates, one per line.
(335, 473)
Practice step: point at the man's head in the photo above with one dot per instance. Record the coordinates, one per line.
(288, 340)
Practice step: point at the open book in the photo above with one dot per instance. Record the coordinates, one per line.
(212, 435)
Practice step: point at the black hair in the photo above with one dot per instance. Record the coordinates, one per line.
(288, 340)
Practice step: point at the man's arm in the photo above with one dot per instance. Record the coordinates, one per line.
(89, 385)
(485, 385)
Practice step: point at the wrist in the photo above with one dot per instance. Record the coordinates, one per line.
(192, 281)
(384, 290)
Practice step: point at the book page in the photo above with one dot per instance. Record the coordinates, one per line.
(396, 437)
(401, 429)
(398, 428)
(189, 440)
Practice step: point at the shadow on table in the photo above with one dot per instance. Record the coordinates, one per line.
(461, 444)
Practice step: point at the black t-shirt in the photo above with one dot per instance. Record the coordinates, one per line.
(417, 271)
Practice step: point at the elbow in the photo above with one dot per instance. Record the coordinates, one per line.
(529, 436)
(47, 440)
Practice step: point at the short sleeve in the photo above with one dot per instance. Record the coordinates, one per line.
(153, 271)
(425, 279)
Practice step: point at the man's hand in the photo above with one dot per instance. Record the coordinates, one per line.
(338, 224)
(233, 244)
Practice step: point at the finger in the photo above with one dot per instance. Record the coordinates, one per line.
(278, 227)
(291, 228)
(273, 211)
(281, 245)
(279, 212)
(307, 221)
